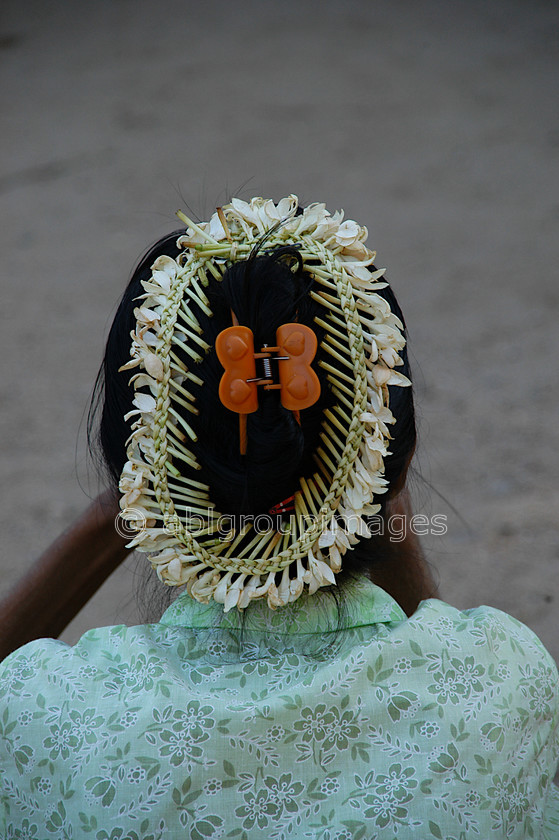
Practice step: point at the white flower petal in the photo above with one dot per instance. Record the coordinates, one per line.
(167, 265)
(161, 279)
(326, 538)
(144, 402)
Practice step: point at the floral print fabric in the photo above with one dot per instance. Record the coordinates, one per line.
(443, 725)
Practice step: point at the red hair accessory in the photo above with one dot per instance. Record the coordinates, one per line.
(287, 506)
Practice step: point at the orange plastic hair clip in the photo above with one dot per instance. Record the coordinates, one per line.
(299, 385)
(237, 388)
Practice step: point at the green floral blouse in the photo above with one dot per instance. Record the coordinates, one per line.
(443, 725)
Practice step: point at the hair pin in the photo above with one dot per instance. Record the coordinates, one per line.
(283, 507)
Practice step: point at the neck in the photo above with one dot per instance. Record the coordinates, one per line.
(399, 565)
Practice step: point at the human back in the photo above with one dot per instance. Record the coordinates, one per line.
(286, 727)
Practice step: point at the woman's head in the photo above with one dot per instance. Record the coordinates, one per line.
(262, 272)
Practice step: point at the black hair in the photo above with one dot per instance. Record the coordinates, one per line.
(107, 431)
(269, 289)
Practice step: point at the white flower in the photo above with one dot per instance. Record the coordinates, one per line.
(174, 569)
(295, 589)
(147, 317)
(329, 534)
(144, 402)
(335, 558)
(221, 588)
(131, 495)
(165, 264)
(390, 357)
(246, 211)
(216, 229)
(348, 234)
(314, 217)
(384, 375)
(141, 380)
(284, 589)
(357, 250)
(354, 497)
(154, 366)
(248, 592)
(320, 570)
(202, 588)
(288, 206)
(274, 600)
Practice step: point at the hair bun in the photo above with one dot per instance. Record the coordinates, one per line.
(183, 452)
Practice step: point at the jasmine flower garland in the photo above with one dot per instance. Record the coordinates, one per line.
(363, 338)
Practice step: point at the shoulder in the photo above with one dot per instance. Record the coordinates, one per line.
(487, 633)
(24, 663)
(56, 668)
(492, 622)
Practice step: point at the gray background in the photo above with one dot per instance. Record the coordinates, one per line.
(433, 123)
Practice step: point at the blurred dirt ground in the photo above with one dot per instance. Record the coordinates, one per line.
(434, 123)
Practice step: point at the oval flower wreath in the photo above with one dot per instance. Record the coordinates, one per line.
(362, 340)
